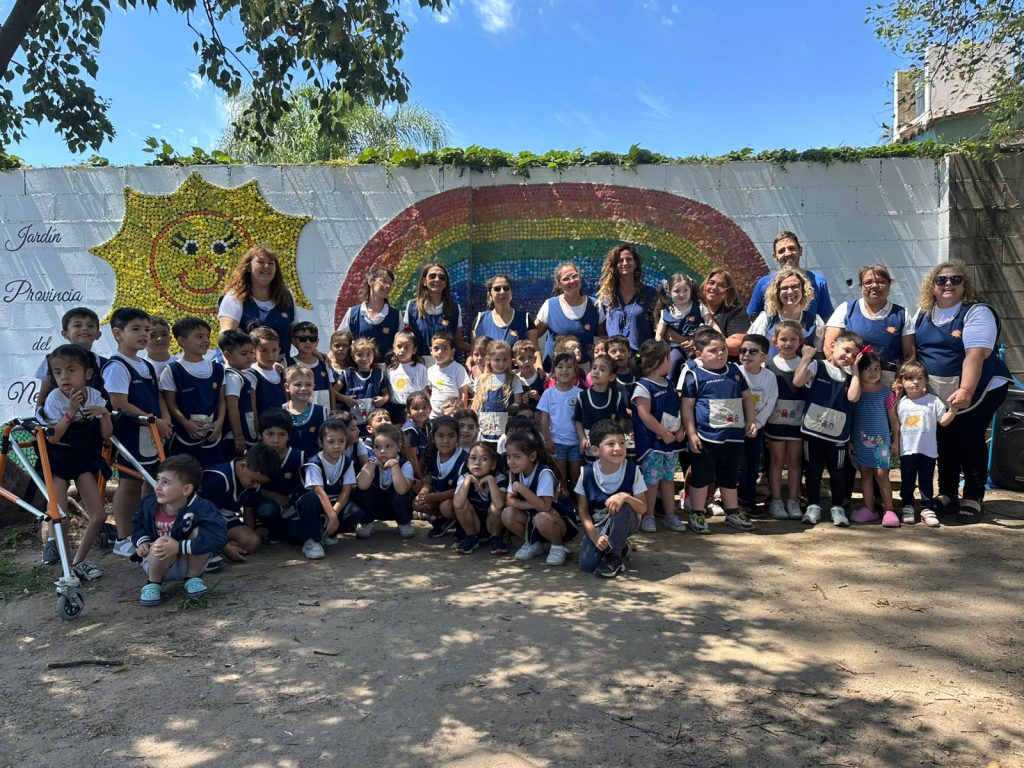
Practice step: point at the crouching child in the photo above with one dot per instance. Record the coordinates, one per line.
(176, 531)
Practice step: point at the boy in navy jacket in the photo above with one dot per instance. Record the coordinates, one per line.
(234, 485)
(175, 531)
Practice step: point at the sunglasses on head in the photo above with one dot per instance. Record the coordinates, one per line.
(303, 339)
(948, 280)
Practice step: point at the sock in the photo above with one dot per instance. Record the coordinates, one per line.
(733, 511)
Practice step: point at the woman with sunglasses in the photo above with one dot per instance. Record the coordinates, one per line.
(569, 311)
(374, 318)
(434, 309)
(256, 295)
(882, 324)
(955, 336)
(502, 322)
(628, 303)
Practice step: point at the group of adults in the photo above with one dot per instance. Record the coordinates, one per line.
(953, 333)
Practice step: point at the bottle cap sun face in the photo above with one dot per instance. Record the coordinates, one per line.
(174, 253)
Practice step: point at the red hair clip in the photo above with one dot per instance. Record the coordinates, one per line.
(866, 349)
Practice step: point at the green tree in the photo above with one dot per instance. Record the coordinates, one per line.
(49, 49)
(964, 30)
(297, 137)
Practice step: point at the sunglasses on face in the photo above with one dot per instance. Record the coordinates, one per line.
(948, 280)
(750, 351)
(304, 339)
(442, 278)
(501, 288)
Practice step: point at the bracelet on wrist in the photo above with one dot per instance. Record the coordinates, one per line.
(69, 417)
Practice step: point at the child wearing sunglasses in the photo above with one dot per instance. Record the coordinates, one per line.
(305, 337)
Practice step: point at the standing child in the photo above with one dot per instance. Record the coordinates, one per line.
(270, 391)
(175, 531)
(406, 374)
(718, 411)
(447, 378)
(659, 433)
(364, 387)
(277, 497)
(826, 424)
(240, 383)
(533, 379)
(610, 499)
(478, 356)
(875, 437)
(601, 400)
(79, 420)
(158, 351)
(497, 390)
(416, 429)
(132, 386)
(622, 356)
(339, 356)
(479, 499)
(783, 430)
(193, 388)
(557, 406)
(306, 415)
(532, 510)
(386, 481)
(679, 317)
(765, 390)
(443, 463)
(305, 337)
(233, 487)
(327, 507)
(920, 414)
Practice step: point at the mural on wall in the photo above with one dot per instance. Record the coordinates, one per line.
(524, 231)
(173, 253)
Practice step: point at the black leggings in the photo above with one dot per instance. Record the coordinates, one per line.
(820, 455)
(962, 448)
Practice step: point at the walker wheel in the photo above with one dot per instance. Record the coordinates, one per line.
(70, 605)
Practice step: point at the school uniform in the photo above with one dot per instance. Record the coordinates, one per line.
(560, 323)
(306, 429)
(287, 482)
(136, 379)
(269, 314)
(198, 388)
(424, 325)
(493, 413)
(444, 475)
(632, 318)
(665, 408)
(480, 498)
(541, 482)
(382, 501)
(787, 415)
(826, 431)
(685, 323)
(597, 487)
(720, 421)
(323, 380)
(221, 488)
(363, 386)
(79, 451)
(592, 407)
(270, 391)
(534, 387)
(809, 324)
(241, 385)
(883, 332)
(308, 519)
(357, 322)
(518, 328)
(417, 439)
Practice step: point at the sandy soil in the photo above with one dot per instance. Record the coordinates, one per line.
(786, 647)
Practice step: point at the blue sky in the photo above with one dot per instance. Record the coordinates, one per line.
(684, 77)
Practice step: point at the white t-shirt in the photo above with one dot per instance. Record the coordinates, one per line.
(560, 406)
(233, 384)
(386, 480)
(445, 383)
(160, 365)
(272, 374)
(231, 307)
(610, 483)
(919, 423)
(57, 404)
(760, 326)
(573, 313)
(835, 372)
(545, 483)
(116, 378)
(838, 318)
(405, 379)
(315, 477)
(980, 330)
(201, 370)
(371, 319)
(764, 386)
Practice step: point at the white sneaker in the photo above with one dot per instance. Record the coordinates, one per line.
(529, 551)
(812, 516)
(364, 530)
(557, 555)
(329, 541)
(124, 547)
(715, 509)
(793, 509)
(839, 517)
(312, 550)
(777, 510)
(406, 531)
(907, 515)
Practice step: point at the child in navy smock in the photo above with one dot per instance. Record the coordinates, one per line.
(240, 383)
(277, 496)
(679, 317)
(718, 414)
(497, 389)
(270, 387)
(826, 425)
(601, 400)
(874, 430)
(233, 487)
(365, 387)
(416, 429)
(306, 415)
(610, 501)
(479, 499)
(386, 481)
(783, 430)
(443, 462)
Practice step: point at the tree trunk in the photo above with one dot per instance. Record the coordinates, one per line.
(18, 482)
(13, 32)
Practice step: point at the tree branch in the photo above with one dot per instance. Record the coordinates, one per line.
(15, 28)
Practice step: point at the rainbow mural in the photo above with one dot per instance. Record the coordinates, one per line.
(524, 231)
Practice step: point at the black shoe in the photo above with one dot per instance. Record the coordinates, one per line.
(611, 565)
(441, 527)
(51, 555)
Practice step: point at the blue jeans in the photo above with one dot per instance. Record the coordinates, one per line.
(617, 528)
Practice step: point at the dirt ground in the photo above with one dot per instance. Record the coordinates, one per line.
(786, 647)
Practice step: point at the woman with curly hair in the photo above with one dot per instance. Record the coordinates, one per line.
(956, 336)
(628, 303)
(256, 295)
(788, 297)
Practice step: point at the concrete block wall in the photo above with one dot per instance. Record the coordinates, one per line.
(987, 234)
(850, 214)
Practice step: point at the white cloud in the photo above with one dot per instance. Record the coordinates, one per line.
(577, 29)
(655, 107)
(196, 83)
(667, 21)
(497, 15)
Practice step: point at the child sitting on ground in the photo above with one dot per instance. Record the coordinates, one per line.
(277, 496)
(176, 531)
(232, 487)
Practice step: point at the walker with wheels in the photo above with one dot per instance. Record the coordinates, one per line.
(70, 597)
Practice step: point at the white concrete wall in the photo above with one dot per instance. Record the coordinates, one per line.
(889, 211)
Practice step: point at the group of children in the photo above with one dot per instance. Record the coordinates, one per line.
(306, 448)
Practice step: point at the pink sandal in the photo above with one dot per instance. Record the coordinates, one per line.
(863, 515)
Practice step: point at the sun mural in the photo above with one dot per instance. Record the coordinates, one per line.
(525, 230)
(173, 254)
